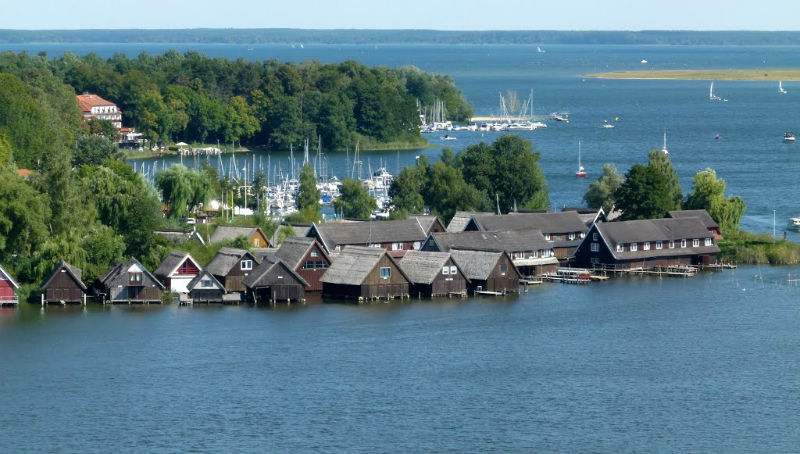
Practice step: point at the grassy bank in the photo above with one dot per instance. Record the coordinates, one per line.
(750, 249)
(702, 74)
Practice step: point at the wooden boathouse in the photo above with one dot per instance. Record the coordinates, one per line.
(205, 288)
(230, 266)
(307, 258)
(130, 282)
(273, 280)
(365, 273)
(177, 270)
(488, 272)
(64, 286)
(8, 288)
(433, 274)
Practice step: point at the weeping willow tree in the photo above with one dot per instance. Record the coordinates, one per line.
(182, 189)
(708, 194)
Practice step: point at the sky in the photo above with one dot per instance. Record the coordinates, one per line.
(405, 14)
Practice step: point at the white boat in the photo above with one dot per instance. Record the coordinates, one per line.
(712, 96)
(794, 223)
(780, 88)
(539, 50)
(664, 147)
(607, 125)
(448, 137)
(643, 61)
(788, 137)
(581, 173)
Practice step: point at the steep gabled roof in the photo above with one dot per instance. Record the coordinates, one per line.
(476, 265)
(204, 274)
(426, 222)
(226, 259)
(422, 267)
(87, 101)
(8, 277)
(117, 274)
(703, 215)
(294, 249)
(353, 265)
(551, 222)
(75, 274)
(268, 264)
(231, 232)
(174, 260)
(507, 241)
(460, 220)
(334, 234)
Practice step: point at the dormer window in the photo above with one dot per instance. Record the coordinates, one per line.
(634, 247)
(620, 248)
(683, 243)
(659, 244)
(547, 236)
(709, 242)
(247, 265)
(571, 236)
(646, 246)
(696, 242)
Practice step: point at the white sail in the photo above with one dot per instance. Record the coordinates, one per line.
(780, 88)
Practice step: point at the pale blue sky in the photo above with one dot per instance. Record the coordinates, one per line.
(427, 14)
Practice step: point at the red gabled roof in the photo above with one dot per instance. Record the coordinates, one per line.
(86, 102)
(24, 173)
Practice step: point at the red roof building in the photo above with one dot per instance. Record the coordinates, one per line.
(94, 106)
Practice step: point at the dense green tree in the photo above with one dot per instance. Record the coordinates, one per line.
(308, 196)
(600, 194)
(661, 163)
(645, 194)
(507, 170)
(94, 150)
(354, 201)
(24, 213)
(182, 189)
(103, 128)
(407, 189)
(448, 192)
(708, 194)
(67, 195)
(25, 124)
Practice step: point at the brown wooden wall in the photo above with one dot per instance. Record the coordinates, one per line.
(233, 282)
(134, 293)
(445, 284)
(63, 288)
(498, 282)
(374, 277)
(313, 276)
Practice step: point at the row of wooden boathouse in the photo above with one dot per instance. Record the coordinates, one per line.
(416, 257)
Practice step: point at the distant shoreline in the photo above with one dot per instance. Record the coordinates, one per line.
(703, 74)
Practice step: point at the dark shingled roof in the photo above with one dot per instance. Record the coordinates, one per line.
(268, 263)
(226, 259)
(553, 223)
(353, 265)
(508, 241)
(703, 215)
(294, 249)
(74, 272)
(460, 220)
(422, 267)
(367, 232)
(173, 261)
(653, 230)
(230, 232)
(114, 276)
(202, 274)
(476, 265)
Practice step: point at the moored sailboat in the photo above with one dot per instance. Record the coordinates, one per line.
(581, 173)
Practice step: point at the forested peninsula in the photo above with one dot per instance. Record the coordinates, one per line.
(271, 105)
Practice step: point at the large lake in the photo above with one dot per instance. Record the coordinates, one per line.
(703, 364)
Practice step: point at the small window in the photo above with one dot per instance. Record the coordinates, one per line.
(634, 247)
(397, 246)
(583, 235)
(135, 277)
(503, 269)
(709, 242)
(205, 283)
(594, 236)
(445, 270)
(696, 242)
(386, 272)
(571, 236)
(534, 254)
(453, 270)
(375, 245)
(547, 236)
(646, 246)
(671, 244)
(595, 247)
(247, 265)
(257, 242)
(659, 244)
(620, 248)
(314, 253)
(683, 243)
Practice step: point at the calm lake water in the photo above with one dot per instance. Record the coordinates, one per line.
(706, 364)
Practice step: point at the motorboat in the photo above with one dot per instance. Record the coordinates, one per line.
(448, 137)
(788, 137)
(794, 223)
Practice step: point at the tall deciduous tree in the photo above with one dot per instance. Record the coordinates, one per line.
(354, 201)
(645, 194)
(407, 189)
(600, 194)
(708, 194)
(182, 189)
(309, 195)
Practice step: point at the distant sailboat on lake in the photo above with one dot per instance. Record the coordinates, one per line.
(581, 173)
(712, 96)
(664, 147)
(780, 88)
